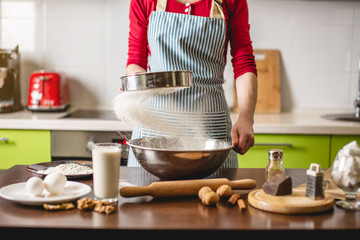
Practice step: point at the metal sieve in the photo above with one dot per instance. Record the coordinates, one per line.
(150, 80)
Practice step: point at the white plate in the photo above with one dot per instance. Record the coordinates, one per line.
(17, 193)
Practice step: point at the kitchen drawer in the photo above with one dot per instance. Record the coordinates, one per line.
(24, 147)
(338, 141)
(299, 151)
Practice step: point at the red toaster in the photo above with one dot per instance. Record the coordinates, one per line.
(48, 91)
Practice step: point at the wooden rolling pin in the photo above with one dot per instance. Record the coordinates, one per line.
(183, 187)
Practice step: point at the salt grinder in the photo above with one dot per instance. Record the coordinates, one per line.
(275, 166)
(314, 183)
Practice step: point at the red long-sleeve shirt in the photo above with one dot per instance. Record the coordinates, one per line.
(237, 29)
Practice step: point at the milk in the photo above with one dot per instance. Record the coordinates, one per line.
(106, 164)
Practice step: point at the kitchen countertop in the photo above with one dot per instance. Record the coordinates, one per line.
(304, 122)
(54, 121)
(164, 216)
(296, 122)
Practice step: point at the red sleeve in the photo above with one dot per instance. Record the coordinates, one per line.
(140, 11)
(238, 33)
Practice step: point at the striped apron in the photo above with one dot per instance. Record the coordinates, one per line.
(187, 42)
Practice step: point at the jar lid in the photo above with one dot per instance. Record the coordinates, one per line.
(275, 154)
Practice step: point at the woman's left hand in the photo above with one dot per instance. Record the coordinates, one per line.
(242, 134)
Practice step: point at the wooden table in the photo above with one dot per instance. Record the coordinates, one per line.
(145, 215)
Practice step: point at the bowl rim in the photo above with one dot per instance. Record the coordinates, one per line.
(183, 151)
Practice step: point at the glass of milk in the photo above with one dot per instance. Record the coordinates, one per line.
(106, 166)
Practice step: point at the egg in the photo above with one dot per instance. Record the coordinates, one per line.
(34, 186)
(55, 182)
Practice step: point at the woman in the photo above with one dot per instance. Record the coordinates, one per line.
(169, 35)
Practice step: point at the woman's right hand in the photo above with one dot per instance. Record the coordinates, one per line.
(134, 69)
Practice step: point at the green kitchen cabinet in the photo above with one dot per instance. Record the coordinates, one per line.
(299, 151)
(338, 141)
(24, 147)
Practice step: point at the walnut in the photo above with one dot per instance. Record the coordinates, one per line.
(62, 206)
(104, 207)
(85, 204)
(88, 204)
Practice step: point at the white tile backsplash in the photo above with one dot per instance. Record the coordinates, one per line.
(321, 47)
(273, 36)
(24, 30)
(323, 12)
(87, 85)
(74, 42)
(112, 81)
(75, 9)
(320, 89)
(319, 43)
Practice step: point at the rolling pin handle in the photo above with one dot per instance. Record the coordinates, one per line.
(243, 184)
(138, 191)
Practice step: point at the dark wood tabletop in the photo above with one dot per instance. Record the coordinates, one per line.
(146, 214)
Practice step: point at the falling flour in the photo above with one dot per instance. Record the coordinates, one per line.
(130, 106)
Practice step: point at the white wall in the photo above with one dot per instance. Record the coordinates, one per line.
(87, 40)
(320, 45)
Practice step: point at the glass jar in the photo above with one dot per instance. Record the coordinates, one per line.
(346, 175)
(275, 166)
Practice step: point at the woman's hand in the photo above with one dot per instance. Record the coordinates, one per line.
(133, 69)
(242, 134)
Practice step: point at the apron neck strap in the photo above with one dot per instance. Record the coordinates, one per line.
(161, 5)
(215, 12)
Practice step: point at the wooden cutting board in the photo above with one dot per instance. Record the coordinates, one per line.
(296, 203)
(269, 84)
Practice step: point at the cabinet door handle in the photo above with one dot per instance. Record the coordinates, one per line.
(2, 139)
(274, 144)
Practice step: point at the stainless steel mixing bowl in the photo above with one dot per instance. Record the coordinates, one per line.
(180, 158)
(150, 80)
